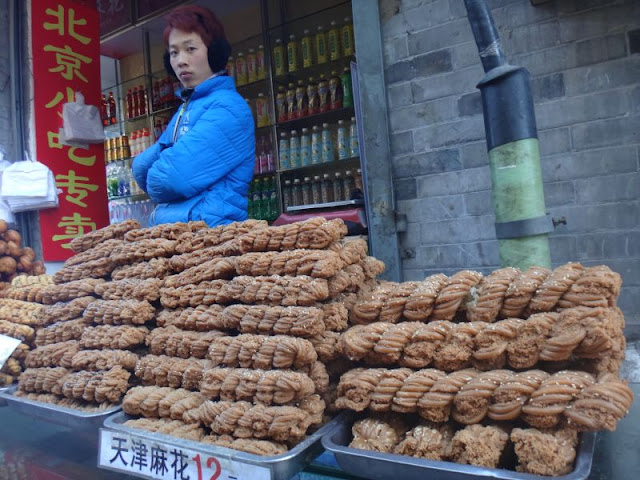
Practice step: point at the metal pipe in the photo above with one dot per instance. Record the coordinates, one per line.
(522, 225)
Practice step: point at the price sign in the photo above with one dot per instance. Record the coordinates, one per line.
(7, 346)
(147, 458)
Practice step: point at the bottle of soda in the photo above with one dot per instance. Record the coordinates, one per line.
(250, 200)
(104, 109)
(112, 109)
(273, 201)
(135, 109)
(142, 103)
(257, 203)
(129, 104)
(347, 89)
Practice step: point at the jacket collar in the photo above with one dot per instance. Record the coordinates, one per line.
(218, 81)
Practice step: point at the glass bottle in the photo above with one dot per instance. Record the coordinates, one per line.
(265, 197)
(281, 105)
(316, 187)
(273, 201)
(337, 187)
(231, 68)
(142, 101)
(296, 192)
(326, 190)
(112, 109)
(354, 147)
(307, 59)
(284, 151)
(348, 47)
(260, 70)
(241, 70)
(327, 144)
(262, 113)
(104, 110)
(306, 191)
(287, 200)
(252, 67)
(316, 145)
(335, 91)
(313, 100)
(256, 201)
(278, 58)
(343, 141)
(291, 102)
(347, 88)
(348, 185)
(292, 54)
(305, 148)
(321, 46)
(334, 41)
(302, 103)
(323, 94)
(294, 150)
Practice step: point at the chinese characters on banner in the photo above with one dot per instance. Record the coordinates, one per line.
(134, 454)
(66, 59)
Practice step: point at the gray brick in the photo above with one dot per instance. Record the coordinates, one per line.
(461, 255)
(603, 76)
(479, 203)
(562, 248)
(405, 189)
(466, 55)
(548, 87)
(628, 268)
(611, 188)
(537, 36)
(441, 36)
(401, 143)
(589, 163)
(411, 18)
(434, 111)
(572, 6)
(547, 61)
(522, 13)
(412, 237)
(635, 99)
(420, 66)
(629, 303)
(599, 50)
(470, 104)
(400, 95)
(462, 81)
(445, 134)
(596, 218)
(474, 154)
(602, 246)
(554, 141)
(432, 209)
(559, 193)
(461, 230)
(597, 22)
(574, 110)
(634, 41)
(395, 49)
(435, 161)
(617, 131)
(463, 181)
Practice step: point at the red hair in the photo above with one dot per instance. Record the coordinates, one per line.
(192, 18)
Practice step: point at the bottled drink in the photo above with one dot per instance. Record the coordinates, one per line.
(326, 189)
(250, 199)
(142, 102)
(348, 185)
(334, 42)
(292, 54)
(335, 91)
(146, 139)
(260, 71)
(316, 145)
(306, 191)
(265, 195)
(296, 192)
(354, 147)
(241, 70)
(321, 46)
(316, 187)
(294, 150)
(286, 195)
(284, 151)
(348, 47)
(112, 109)
(262, 113)
(343, 141)
(231, 68)
(273, 201)
(305, 148)
(312, 97)
(347, 88)
(256, 200)
(104, 108)
(307, 59)
(135, 109)
(323, 94)
(358, 189)
(252, 67)
(281, 105)
(278, 58)
(327, 144)
(302, 103)
(291, 102)
(337, 187)
(155, 90)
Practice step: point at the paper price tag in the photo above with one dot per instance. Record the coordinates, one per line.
(146, 458)
(7, 347)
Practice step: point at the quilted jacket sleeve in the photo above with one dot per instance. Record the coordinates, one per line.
(220, 140)
(143, 162)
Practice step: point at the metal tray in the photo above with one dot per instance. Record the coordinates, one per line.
(3, 402)
(282, 467)
(67, 417)
(383, 466)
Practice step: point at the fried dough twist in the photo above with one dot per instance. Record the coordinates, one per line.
(203, 239)
(155, 268)
(295, 321)
(215, 269)
(65, 311)
(60, 332)
(131, 288)
(164, 371)
(94, 360)
(54, 355)
(120, 337)
(142, 250)
(168, 231)
(96, 387)
(89, 240)
(161, 402)
(69, 291)
(174, 342)
(119, 312)
(314, 263)
(175, 428)
(98, 268)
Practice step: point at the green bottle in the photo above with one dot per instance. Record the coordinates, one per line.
(347, 89)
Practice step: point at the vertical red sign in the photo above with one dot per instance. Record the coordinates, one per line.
(66, 59)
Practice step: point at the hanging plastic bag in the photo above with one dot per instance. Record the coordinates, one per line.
(5, 212)
(82, 122)
(28, 185)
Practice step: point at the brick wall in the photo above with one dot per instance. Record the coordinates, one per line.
(584, 57)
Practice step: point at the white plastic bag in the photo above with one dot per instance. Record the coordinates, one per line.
(82, 122)
(5, 212)
(29, 186)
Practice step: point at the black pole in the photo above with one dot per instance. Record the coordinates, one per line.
(485, 33)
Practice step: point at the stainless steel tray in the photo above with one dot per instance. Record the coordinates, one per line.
(282, 467)
(383, 466)
(66, 417)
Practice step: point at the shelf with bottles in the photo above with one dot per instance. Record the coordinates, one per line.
(331, 190)
(263, 199)
(319, 168)
(133, 207)
(131, 197)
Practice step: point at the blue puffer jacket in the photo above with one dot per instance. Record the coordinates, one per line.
(205, 174)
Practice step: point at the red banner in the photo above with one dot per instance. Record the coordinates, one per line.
(66, 59)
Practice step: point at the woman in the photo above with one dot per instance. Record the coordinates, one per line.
(201, 166)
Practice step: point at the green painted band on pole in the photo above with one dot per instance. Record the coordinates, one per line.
(518, 195)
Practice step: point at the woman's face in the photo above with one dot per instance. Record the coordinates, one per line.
(188, 55)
